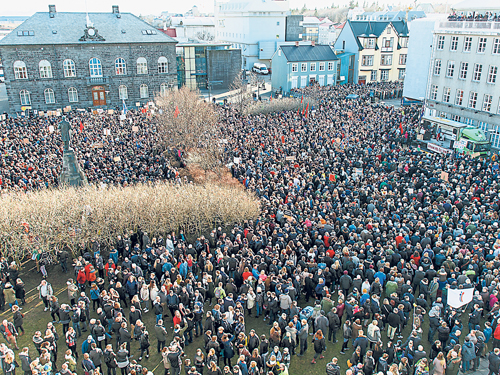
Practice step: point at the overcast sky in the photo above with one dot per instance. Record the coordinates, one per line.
(28, 7)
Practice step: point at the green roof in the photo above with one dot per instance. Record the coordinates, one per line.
(373, 29)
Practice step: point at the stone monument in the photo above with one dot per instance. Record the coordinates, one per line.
(71, 173)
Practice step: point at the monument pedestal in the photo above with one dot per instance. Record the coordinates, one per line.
(71, 173)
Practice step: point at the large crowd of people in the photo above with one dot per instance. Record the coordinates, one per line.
(473, 16)
(357, 246)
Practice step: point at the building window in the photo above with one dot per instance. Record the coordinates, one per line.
(496, 46)
(330, 65)
(45, 69)
(303, 67)
(450, 69)
(437, 67)
(404, 42)
(434, 92)
(467, 44)
(122, 92)
(387, 43)
(163, 89)
(69, 68)
(25, 97)
(454, 43)
(402, 59)
(142, 66)
(120, 67)
(369, 43)
(440, 44)
(481, 46)
(144, 92)
(459, 97)
(162, 65)
(72, 95)
(463, 70)
(492, 74)
(295, 67)
(20, 71)
(402, 73)
(386, 60)
(321, 66)
(313, 67)
(49, 96)
(367, 60)
(95, 67)
(373, 76)
(478, 68)
(487, 102)
(472, 99)
(446, 94)
(384, 75)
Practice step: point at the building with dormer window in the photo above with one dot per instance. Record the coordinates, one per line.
(95, 60)
(380, 48)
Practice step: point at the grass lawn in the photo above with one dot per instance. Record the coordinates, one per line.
(36, 319)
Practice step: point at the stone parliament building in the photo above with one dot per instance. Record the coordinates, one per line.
(95, 60)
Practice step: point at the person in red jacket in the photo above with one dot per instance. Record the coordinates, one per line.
(81, 279)
(92, 275)
(109, 264)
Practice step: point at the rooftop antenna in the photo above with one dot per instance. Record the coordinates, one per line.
(89, 22)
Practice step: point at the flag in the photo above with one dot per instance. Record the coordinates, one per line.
(401, 127)
(283, 139)
(176, 113)
(271, 98)
(307, 108)
(81, 126)
(302, 99)
(331, 177)
(124, 107)
(459, 297)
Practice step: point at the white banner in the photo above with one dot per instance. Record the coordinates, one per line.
(459, 297)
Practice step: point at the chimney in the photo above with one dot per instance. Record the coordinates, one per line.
(313, 43)
(52, 11)
(115, 9)
(296, 43)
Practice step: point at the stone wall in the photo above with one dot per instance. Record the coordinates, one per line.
(223, 65)
(81, 55)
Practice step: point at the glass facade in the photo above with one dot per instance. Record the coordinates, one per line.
(192, 65)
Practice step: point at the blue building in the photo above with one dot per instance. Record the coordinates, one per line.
(303, 65)
(345, 68)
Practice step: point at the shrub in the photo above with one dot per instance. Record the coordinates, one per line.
(279, 105)
(52, 219)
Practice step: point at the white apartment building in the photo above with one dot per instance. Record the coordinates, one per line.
(419, 56)
(254, 26)
(463, 82)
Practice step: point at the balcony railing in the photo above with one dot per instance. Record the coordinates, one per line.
(477, 25)
(97, 81)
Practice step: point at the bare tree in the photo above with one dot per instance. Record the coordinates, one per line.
(241, 97)
(185, 120)
(204, 35)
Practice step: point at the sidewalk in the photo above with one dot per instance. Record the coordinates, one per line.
(483, 367)
(220, 95)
